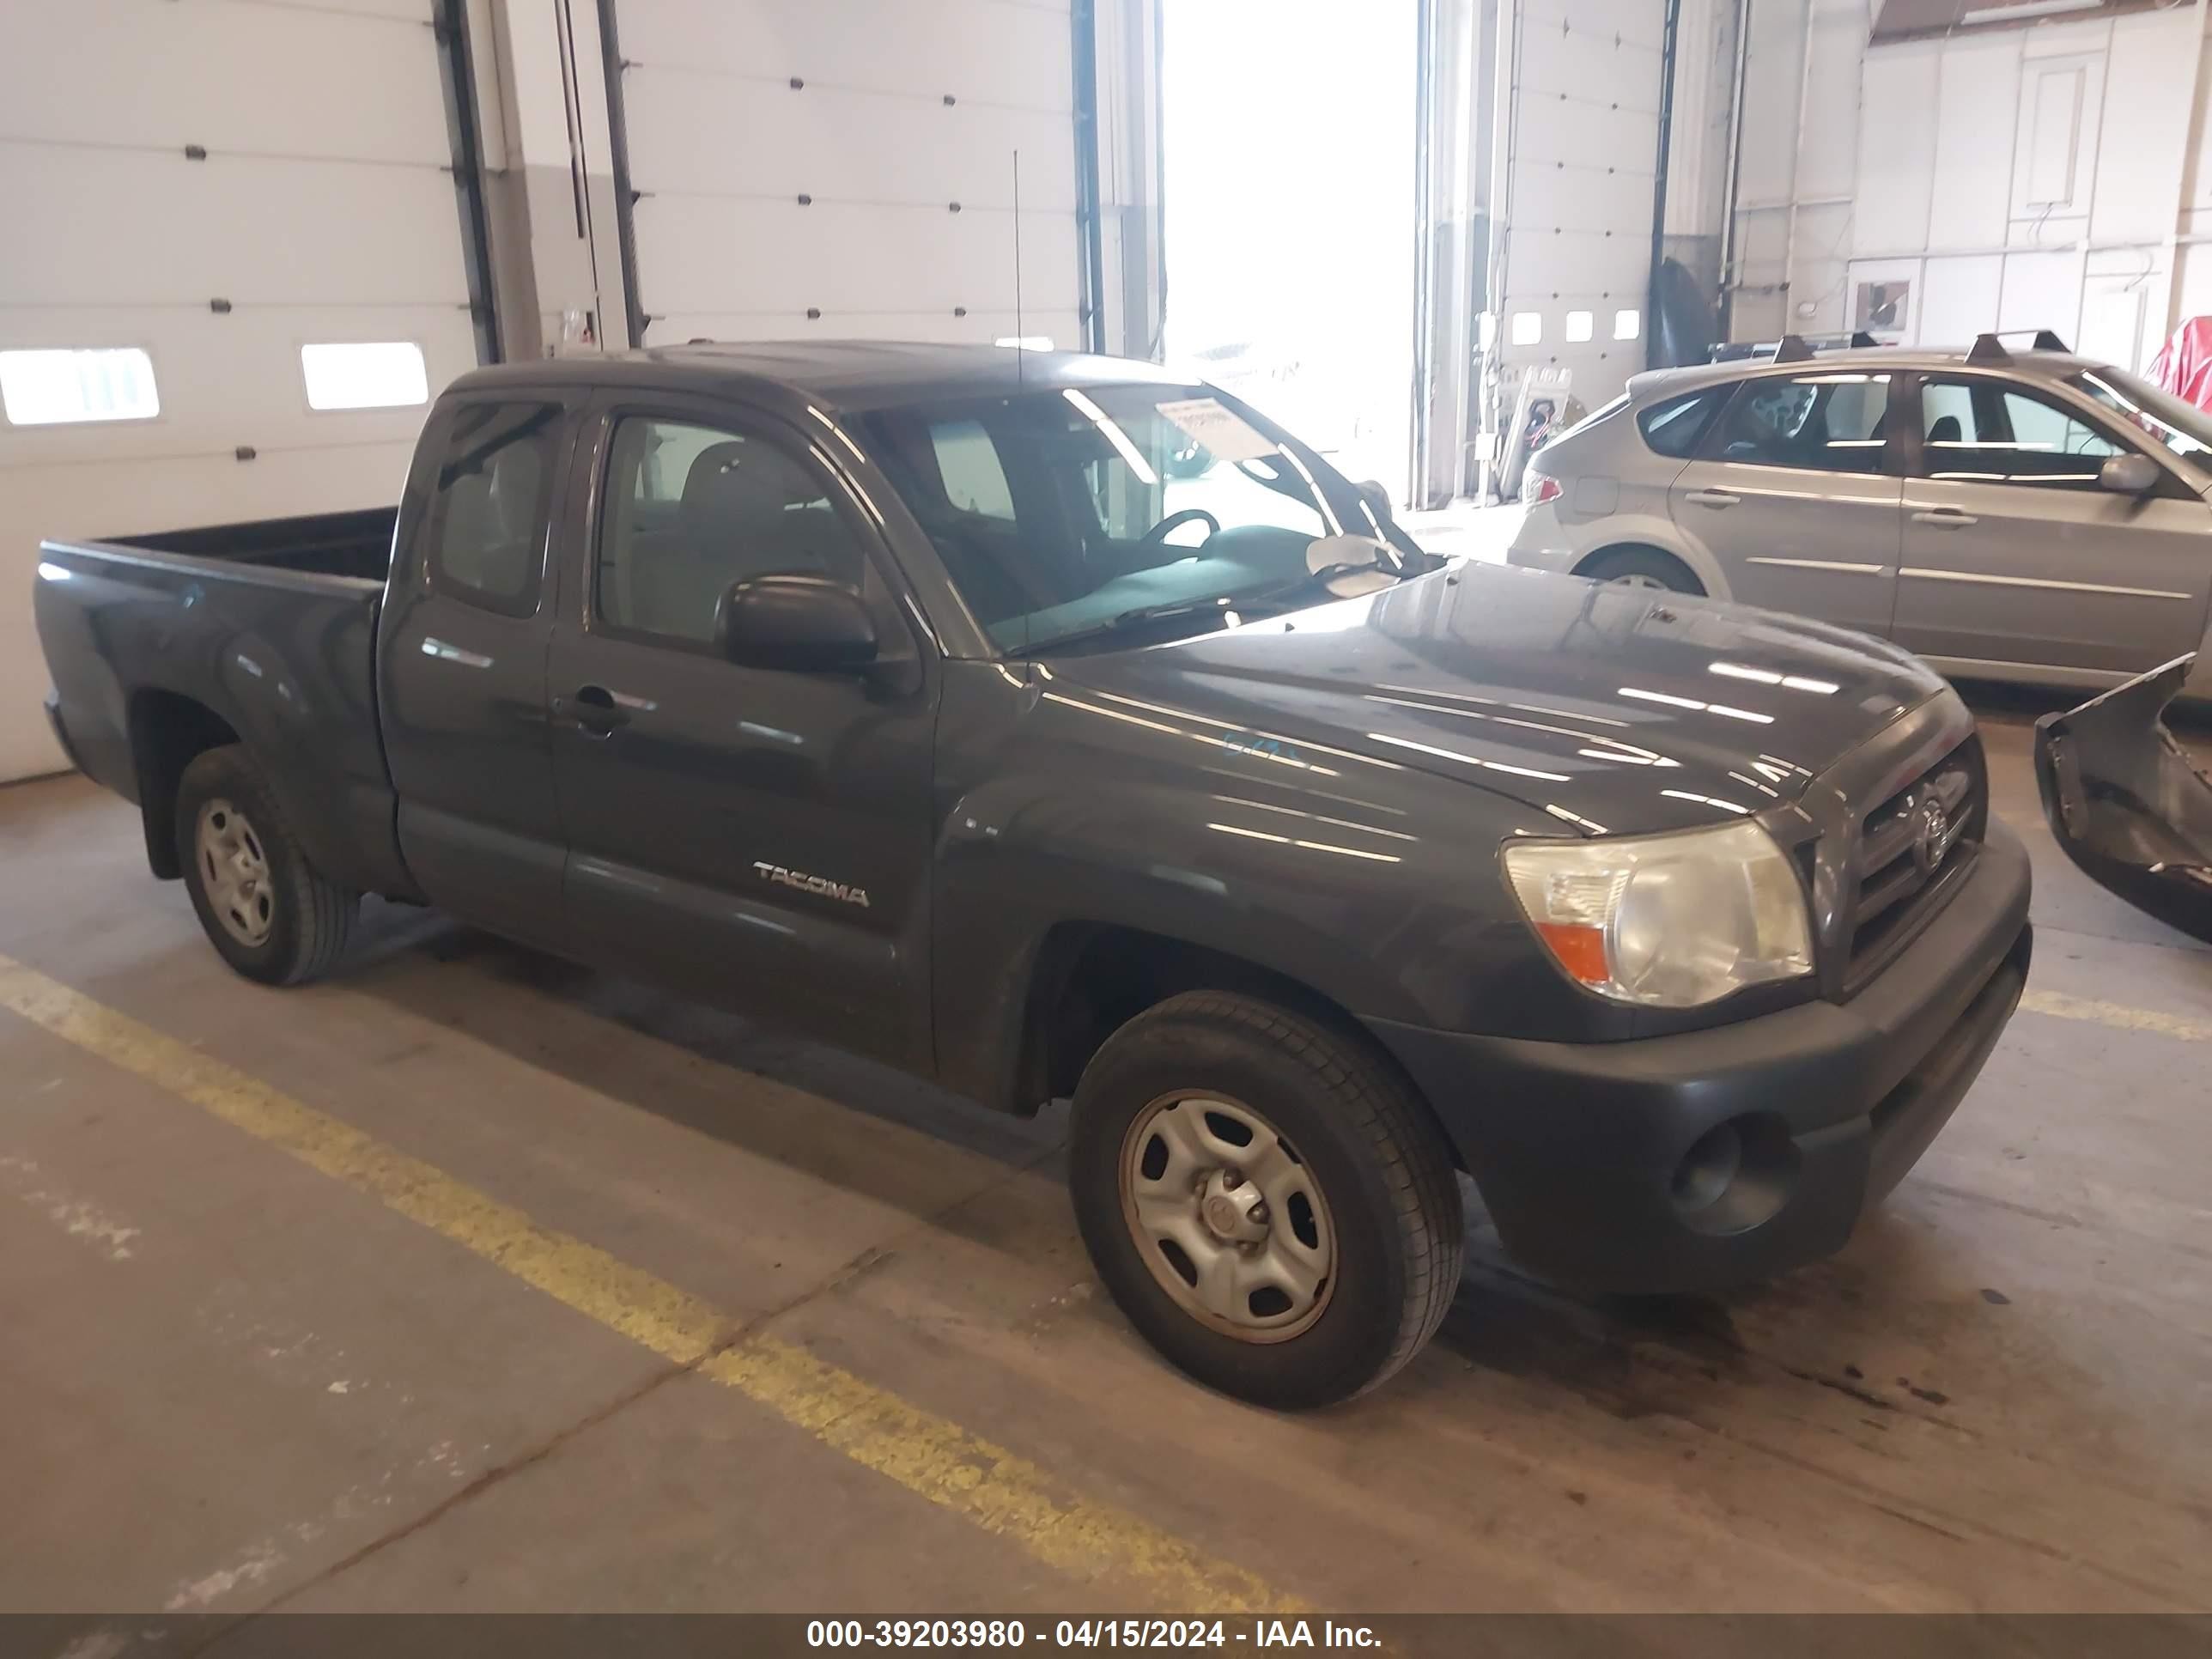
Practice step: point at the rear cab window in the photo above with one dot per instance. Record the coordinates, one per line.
(968, 463)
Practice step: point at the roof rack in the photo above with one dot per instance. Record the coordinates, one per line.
(1792, 348)
(1989, 348)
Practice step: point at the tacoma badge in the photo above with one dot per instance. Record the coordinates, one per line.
(806, 884)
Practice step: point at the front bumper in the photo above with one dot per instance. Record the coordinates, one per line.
(1579, 1149)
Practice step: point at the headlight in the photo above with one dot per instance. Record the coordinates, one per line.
(1666, 921)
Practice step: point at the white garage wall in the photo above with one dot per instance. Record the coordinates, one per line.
(2018, 177)
(1573, 191)
(1799, 160)
(324, 210)
(897, 123)
(2030, 178)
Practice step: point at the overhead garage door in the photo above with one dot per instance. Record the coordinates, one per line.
(1580, 150)
(845, 168)
(216, 186)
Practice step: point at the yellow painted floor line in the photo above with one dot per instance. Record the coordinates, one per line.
(1005, 1494)
(2060, 1006)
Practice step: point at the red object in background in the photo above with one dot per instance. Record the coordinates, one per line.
(2184, 367)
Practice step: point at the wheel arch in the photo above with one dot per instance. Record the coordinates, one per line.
(1087, 979)
(168, 731)
(1643, 537)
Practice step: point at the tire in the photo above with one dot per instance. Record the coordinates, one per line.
(1643, 567)
(282, 925)
(1362, 1165)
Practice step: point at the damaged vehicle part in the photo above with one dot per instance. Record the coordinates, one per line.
(2127, 803)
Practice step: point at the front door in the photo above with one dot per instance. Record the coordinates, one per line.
(1795, 494)
(2014, 553)
(754, 836)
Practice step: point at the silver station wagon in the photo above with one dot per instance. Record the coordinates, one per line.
(2028, 516)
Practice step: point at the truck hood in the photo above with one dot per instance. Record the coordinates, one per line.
(1614, 709)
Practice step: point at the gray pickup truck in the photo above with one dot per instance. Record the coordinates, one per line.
(1051, 728)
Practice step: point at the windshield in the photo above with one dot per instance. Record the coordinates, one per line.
(2182, 428)
(1061, 513)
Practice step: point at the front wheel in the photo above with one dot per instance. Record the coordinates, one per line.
(264, 907)
(1265, 1199)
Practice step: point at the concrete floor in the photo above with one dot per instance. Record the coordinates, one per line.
(231, 1380)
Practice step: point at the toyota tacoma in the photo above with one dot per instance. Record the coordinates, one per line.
(1052, 727)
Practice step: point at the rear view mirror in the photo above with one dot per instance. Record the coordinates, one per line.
(792, 621)
(2129, 475)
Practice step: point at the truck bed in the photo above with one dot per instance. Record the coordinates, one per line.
(264, 633)
(356, 544)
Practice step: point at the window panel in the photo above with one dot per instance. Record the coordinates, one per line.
(487, 546)
(1980, 432)
(692, 510)
(1819, 422)
(364, 375)
(70, 386)
(968, 461)
(1674, 427)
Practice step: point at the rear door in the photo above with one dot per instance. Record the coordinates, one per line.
(2013, 554)
(1795, 492)
(461, 664)
(756, 837)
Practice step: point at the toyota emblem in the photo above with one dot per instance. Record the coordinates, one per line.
(1932, 838)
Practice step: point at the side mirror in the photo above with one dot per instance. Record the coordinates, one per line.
(2129, 475)
(1377, 499)
(800, 623)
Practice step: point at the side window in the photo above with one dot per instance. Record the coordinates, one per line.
(1980, 432)
(494, 488)
(1674, 428)
(692, 509)
(1822, 422)
(967, 462)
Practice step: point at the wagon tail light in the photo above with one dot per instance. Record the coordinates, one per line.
(1537, 488)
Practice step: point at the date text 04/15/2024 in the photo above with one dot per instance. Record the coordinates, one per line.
(1001, 1634)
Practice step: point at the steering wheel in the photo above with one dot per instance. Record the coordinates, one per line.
(1159, 532)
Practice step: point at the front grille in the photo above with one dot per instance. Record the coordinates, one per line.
(1912, 851)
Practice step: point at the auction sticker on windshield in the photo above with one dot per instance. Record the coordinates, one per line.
(1220, 429)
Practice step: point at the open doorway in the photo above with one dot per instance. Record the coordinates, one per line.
(1288, 142)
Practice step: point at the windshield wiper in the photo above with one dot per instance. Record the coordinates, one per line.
(1130, 621)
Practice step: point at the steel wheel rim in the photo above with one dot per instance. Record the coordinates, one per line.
(1229, 1220)
(234, 872)
(1638, 578)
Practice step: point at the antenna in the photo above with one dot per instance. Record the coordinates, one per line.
(1021, 341)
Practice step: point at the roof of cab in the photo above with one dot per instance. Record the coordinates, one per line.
(844, 374)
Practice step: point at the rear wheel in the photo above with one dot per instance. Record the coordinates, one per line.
(1265, 1199)
(264, 907)
(1643, 567)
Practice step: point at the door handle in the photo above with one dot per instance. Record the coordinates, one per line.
(1945, 518)
(594, 709)
(1719, 499)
